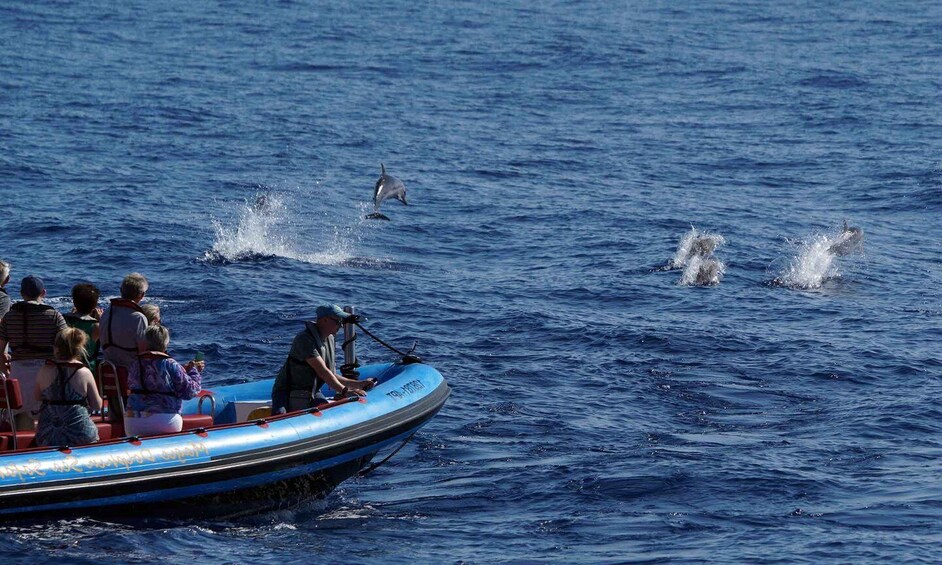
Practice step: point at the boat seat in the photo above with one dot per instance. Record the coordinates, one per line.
(117, 429)
(105, 430)
(23, 440)
(114, 388)
(193, 421)
(200, 420)
(10, 396)
(263, 412)
(28, 439)
(10, 400)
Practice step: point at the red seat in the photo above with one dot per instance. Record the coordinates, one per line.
(10, 396)
(11, 399)
(193, 421)
(200, 420)
(104, 431)
(114, 387)
(23, 440)
(117, 429)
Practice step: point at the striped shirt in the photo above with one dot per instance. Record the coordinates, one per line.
(30, 328)
(4, 303)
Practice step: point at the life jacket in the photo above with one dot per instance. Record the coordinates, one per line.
(318, 382)
(62, 381)
(26, 308)
(86, 324)
(140, 369)
(119, 303)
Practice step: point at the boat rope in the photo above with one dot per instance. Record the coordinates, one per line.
(373, 466)
(406, 357)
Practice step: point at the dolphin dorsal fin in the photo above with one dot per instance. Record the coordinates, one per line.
(382, 167)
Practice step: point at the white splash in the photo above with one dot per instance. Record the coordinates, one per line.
(813, 264)
(703, 271)
(685, 249)
(695, 256)
(59, 302)
(261, 232)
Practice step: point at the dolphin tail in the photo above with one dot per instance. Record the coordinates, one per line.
(377, 216)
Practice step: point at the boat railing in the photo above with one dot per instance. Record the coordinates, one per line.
(110, 387)
(13, 400)
(350, 362)
(212, 403)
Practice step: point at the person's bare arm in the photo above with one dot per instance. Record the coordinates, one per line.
(4, 358)
(91, 391)
(332, 380)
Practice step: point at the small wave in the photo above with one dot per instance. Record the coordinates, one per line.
(59, 302)
(830, 79)
(304, 67)
(376, 264)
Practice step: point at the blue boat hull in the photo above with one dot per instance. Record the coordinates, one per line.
(231, 467)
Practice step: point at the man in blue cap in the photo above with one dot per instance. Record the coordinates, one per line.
(30, 327)
(311, 363)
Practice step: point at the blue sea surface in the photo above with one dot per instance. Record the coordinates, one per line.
(555, 154)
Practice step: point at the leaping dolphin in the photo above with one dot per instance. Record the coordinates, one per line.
(387, 186)
(849, 240)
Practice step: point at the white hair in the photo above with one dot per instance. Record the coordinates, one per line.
(157, 338)
(133, 286)
(4, 271)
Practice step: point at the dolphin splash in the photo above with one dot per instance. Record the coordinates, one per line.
(817, 259)
(387, 186)
(695, 256)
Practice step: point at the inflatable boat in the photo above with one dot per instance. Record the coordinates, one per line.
(227, 460)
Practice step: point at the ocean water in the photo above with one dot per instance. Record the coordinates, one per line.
(555, 155)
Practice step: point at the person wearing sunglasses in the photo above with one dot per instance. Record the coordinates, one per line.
(311, 364)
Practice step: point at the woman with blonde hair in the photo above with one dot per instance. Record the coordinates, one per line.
(67, 391)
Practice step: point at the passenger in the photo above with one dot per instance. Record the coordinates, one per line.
(159, 385)
(123, 323)
(30, 328)
(310, 364)
(4, 297)
(152, 313)
(68, 391)
(85, 315)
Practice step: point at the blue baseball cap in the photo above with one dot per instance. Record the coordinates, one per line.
(331, 311)
(32, 287)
